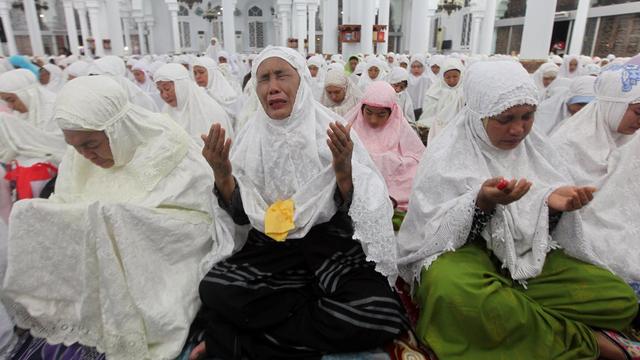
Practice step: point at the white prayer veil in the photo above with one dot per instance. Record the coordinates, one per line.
(307, 176)
(196, 111)
(365, 80)
(337, 77)
(545, 70)
(217, 85)
(78, 68)
(123, 270)
(56, 80)
(564, 68)
(418, 85)
(441, 207)
(588, 138)
(37, 99)
(553, 111)
(317, 83)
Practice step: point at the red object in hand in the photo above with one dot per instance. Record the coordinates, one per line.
(502, 184)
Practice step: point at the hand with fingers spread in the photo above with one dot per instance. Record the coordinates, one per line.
(216, 150)
(341, 147)
(570, 198)
(494, 191)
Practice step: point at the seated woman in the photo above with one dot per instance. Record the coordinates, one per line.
(208, 76)
(312, 276)
(553, 111)
(20, 90)
(340, 93)
(399, 79)
(443, 100)
(187, 103)
(506, 290)
(318, 71)
(571, 67)
(544, 77)
(142, 78)
(119, 246)
(587, 139)
(373, 71)
(419, 83)
(392, 144)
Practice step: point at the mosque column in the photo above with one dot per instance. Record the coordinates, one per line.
(84, 27)
(150, 23)
(126, 29)
(488, 28)
(367, 20)
(422, 14)
(284, 12)
(72, 32)
(173, 7)
(538, 28)
(579, 26)
(93, 8)
(33, 25)
(330, 26)
(140, 23)
(312, 8)
(8, 29)
(383, 19)
(229, 25)
(300, 7)
(477, 15)
(115, 27)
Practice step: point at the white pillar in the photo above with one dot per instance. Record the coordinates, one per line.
(420, 27)
(8, 28)
(228, 25)
(84, 27)
(352, 15)
(72, 32)
(126, 28)
(301, 25)
(538, 27)
(367, 20)
(140, 24)
(330, 26)
(312, 7)
(94, 9)
(115, 27)
(476, 22)
(284, 12)
(579, 26)
(488, 25)
(35, 36)
(150, 38)
(383, 19)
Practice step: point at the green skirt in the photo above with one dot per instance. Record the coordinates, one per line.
(472, 310)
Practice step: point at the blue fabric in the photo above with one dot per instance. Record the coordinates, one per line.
(21, 62)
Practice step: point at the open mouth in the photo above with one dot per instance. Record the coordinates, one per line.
(277, 104)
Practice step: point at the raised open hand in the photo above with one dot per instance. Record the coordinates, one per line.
(491, 194)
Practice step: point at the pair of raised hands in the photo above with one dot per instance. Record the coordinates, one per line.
(217, 148)
(501, 191)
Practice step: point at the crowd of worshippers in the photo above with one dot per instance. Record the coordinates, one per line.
(268, 206)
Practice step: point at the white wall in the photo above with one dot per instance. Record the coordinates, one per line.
(162, 27)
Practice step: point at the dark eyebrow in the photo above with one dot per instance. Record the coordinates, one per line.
(86, 143)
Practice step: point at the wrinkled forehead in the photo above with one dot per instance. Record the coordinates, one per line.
(273, 65)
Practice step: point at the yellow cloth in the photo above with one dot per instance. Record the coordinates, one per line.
(278, 220)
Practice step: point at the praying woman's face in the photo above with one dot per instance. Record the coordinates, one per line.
(139, 75)
(373, 72)
(573, 65)
(375, 116)
(13, 102)
(574, 108)
(222, 60)
(336, 93)
(417, 68)
(167, 91)
(452, 77)
(93, 145)
(630, 120)
(353, 63)
(507, 130)
(547, 80)
(277, 86)
(435, 69)
(313, 70)
(201, 75)
(45, 76)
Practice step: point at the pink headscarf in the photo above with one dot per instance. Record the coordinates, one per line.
(395, 148)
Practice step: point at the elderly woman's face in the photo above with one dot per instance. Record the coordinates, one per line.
(507, 130)
(277, 86)
(13, 102)
(168, 92)
(93, 145)
(201, 75)
(373, 72)
(45, 76)
(547, 80)
(139, 75)
(375, 116)
(336, 93)
(630, 120)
